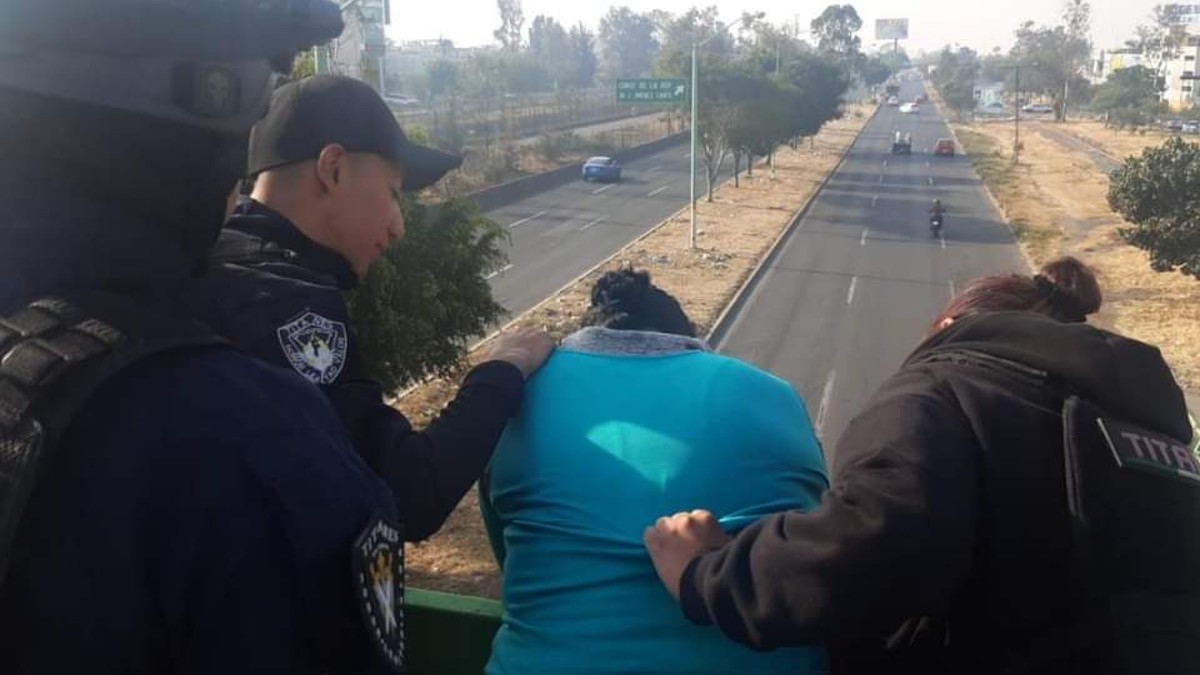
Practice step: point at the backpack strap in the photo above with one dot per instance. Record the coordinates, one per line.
(55, 354)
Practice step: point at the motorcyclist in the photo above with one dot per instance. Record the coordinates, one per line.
(937, 215)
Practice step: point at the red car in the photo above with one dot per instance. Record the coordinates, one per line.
(944, 147)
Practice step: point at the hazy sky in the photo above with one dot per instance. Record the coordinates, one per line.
(932, 23)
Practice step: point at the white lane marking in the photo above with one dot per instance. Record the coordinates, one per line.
(653, 169)
(594, 222)
(931, 181)
(823, 409)
(942, 237)
(885, 162)
(953, 290)
(522, 221)
(863, 241)
(688, 156)
(498, 272)
(927, 165)
(657, 190)
(874, 201)
(606, 188)
(880, 178)
(850, 295)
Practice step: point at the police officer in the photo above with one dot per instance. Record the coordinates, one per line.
(1017, 498)
(330, 161)
(166, 503)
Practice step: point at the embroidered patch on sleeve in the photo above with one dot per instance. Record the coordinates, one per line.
(315, 346)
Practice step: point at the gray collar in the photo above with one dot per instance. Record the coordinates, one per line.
(596, 340)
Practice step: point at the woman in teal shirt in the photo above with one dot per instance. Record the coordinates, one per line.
(631, 418)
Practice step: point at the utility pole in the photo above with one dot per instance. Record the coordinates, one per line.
(1017, 114)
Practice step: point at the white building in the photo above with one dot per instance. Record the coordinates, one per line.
(1180, 72)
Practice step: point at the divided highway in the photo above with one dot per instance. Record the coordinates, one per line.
(559, 234)
(857, 283)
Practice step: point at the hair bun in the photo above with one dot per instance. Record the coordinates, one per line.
(1075, 287)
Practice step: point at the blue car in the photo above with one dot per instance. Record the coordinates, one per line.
(604, 169)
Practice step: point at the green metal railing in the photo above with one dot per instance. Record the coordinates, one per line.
(448, 634)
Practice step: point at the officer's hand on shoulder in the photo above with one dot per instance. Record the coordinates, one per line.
(525, 348)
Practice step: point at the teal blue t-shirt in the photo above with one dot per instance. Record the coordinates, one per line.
(604, 445)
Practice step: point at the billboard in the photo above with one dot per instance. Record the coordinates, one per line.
(891, 29)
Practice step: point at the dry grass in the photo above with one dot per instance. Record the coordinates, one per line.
(1060, 195)
(1120, 144)
(737, 229)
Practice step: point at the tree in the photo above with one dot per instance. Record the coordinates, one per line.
(512, 20)
(836, 30)
(955, 78)
(443, 77)
(582, 70)
(1161, 39)
(677, 34)
(1052, 56)
(1159, 192)
(304, 65)
(420, 306)
(1077, 20)
(1136, 88)
(550, 46)
(874, 70)
(627, 43)
(818, 87)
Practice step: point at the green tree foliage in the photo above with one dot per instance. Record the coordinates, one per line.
(305, 65)
(628, 45)
(1129, 95)
(442, 75)
(550, 46)
(512, 21)
(875, 70)
(955, 78)
(819, 87)
(1159, 192)
(836, 31)
(1051, 56)
(582, 71)
(423, 303)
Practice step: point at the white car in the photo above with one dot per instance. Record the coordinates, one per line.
(893, 100)
(910, 108)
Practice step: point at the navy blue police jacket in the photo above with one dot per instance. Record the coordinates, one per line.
(200, 512)
(278, 295)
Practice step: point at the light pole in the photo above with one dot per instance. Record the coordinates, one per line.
(696, 45)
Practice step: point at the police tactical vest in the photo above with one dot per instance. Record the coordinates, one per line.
(54, 355)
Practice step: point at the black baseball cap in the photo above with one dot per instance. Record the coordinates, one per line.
(309, 114)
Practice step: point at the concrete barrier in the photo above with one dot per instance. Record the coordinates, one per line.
(521, 188)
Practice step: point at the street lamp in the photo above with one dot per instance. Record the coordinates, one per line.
(696, 45)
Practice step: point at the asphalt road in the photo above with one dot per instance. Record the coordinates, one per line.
(858, 282)
(559, 234)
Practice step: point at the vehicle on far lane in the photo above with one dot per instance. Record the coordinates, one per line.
(944, 147)
(893, 101)
(605, 169)
(902, 144)
(910, 108)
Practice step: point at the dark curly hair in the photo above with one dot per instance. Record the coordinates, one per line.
(626, 300)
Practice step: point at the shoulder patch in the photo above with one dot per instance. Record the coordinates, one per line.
(315, 346)
(1143, 450)
(379, 584)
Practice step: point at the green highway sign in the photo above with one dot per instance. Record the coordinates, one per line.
(652, 90)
